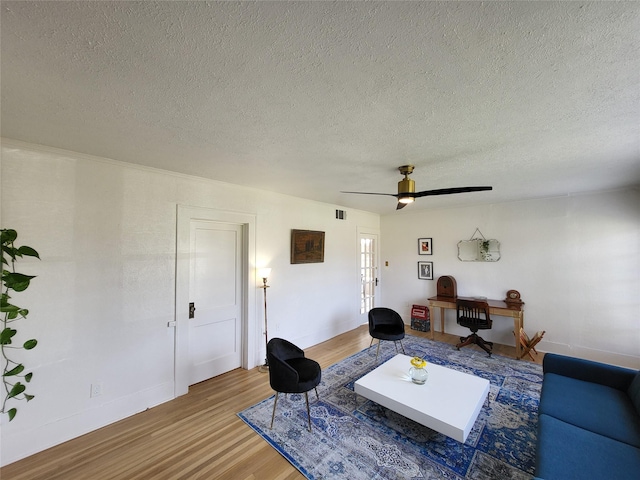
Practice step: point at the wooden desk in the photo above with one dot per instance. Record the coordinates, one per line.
(496, 307)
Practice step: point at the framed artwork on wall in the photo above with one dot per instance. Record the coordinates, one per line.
(307, 246)
(425, 246)
(425, 270)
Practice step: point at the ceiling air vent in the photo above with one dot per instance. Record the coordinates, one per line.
(341, 215)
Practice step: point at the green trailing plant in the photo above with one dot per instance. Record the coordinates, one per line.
(14, 376)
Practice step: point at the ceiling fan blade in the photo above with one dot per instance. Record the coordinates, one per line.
(406, 189)
(371, 193)
(447, 191)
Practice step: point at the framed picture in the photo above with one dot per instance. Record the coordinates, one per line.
(307, 246)
(425, 270)
(424, 246)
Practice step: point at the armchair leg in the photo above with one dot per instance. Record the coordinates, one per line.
(275, 402)
(306, 396)
(371, 343)
(402, 347)
(378, 350)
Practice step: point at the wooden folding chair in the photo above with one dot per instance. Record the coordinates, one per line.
(529, 344)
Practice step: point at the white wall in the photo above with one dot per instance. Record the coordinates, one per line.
(575, 260)
(105, 287)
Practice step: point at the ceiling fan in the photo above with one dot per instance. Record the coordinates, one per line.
(407, 189)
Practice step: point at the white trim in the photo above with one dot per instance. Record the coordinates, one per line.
(367, 231)
(248, 221)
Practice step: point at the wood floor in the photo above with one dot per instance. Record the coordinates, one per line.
(194, 436)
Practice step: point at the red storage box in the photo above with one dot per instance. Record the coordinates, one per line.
(420, 319)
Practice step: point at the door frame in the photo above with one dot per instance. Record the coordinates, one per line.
(361, 231)
(184, 216)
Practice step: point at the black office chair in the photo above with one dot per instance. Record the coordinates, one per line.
(385, 324)
(474, 314)
(291, 372)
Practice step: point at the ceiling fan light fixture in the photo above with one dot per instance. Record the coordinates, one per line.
(406, 185)
(407, 189)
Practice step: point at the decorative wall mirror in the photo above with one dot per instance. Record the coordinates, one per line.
(479, 249)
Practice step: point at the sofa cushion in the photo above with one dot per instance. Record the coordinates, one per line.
(634, 392)
(592, 406)
(588, 370)
(566, 452)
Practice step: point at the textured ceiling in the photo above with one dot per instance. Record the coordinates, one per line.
(311, 98)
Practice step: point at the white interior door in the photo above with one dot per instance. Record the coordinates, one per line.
(368, 244)
(215, 290)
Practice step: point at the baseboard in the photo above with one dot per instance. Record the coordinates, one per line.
(611, 358)
(25, 443)
(314, 338)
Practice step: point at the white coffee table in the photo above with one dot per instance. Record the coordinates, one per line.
(448, 403)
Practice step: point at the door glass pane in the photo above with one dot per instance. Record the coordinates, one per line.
(367, 274)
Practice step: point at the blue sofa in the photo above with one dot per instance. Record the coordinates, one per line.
(588, 421)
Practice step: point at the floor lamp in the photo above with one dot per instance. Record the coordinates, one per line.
(264, 273)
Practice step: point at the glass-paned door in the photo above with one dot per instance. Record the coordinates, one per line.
(368, 272)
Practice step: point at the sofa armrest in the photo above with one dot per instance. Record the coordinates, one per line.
(588, 371)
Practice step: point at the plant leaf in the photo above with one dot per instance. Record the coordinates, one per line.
(14, 371)
(8, 235)
(29, 397)
(27, 377)
(17, 389)
(17, 281)
(9, 308)
(21, 287)
(29, 344)
(12, 413)
(28, 251)
(6, 334)
(9, 251)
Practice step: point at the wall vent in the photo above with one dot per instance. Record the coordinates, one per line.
(341, 215)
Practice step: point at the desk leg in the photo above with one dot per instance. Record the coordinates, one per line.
(518, 323)
(441, 319)
(431, 322)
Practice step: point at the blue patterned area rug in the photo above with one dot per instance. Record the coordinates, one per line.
(355, 438)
